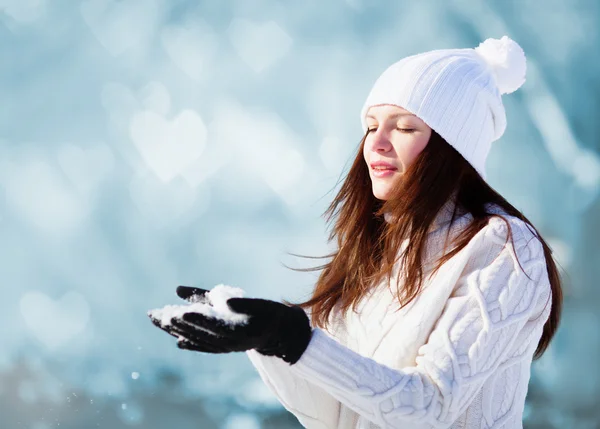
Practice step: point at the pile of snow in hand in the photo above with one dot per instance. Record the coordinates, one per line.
(213, 304)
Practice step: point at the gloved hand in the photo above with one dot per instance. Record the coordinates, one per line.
(272, 329)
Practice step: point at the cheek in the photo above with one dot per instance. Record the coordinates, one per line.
(412, 150)
(415, 150)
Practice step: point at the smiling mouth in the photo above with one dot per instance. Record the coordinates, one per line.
(383, 173)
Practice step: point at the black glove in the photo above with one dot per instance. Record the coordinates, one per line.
(272, 329)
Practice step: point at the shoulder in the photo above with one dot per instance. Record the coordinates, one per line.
(507, 255)
(507, 265)
(510, 232)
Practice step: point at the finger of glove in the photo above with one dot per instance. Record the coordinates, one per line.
(183, 336)
(155, 321)
(192, 294)
(251, 306)
(202, 339)
(205, 337)
(192, 331)
(212, 324)
(166, 328)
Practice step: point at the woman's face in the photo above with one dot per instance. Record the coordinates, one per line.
(395, 137)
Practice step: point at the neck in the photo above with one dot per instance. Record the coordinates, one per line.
(442, 218)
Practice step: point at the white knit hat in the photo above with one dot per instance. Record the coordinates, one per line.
(456, 92)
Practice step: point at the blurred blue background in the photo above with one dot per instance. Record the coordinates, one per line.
(150, 143)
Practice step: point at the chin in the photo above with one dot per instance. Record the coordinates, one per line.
(380, 194)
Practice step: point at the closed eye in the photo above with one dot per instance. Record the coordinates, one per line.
(404, 130)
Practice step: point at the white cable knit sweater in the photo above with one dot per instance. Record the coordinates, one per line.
(458, 356)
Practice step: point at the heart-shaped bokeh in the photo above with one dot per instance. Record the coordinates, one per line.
(121, 25)
(55, 322)
(168, 147)
(260, 45)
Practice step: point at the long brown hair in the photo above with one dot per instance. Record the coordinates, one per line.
(367, 246)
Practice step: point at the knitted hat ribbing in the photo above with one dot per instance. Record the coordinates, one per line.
(456, 92)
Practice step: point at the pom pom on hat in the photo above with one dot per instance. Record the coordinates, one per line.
(507, 61)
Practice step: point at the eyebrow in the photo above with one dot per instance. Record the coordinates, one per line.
(393, 116)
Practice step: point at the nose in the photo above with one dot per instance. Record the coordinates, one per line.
(380, 141)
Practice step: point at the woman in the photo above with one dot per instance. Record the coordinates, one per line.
(440, 293)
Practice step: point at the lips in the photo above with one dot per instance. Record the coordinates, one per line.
(380, 166)
(383, 168)
(387, 172)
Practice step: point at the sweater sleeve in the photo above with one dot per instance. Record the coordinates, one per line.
(492, 318)
(313, 406)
